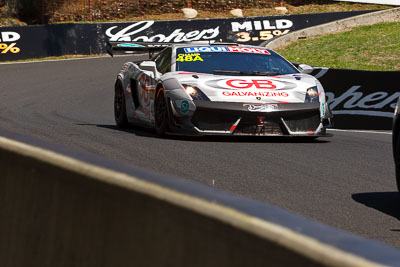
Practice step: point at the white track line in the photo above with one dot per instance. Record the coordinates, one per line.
(360, 131)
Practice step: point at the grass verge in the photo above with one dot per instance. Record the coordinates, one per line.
(375, 47)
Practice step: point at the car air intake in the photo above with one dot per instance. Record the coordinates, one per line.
(256, 125)
(213, 120)
(303, 122)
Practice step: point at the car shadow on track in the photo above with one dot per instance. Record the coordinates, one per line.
(147, 132)
(136, 130)
(386, 202)
(246, 139)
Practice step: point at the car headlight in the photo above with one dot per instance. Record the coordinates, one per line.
(195, 92)
(312, 94)
(192, 91)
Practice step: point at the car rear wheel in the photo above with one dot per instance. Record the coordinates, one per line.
(161, 112)
(119, 106)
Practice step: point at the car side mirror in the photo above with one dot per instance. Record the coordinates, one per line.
(149, 66)
(304, 68)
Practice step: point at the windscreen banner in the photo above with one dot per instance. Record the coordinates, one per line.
(89, 38)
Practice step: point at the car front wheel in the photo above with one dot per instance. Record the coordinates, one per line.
(161, 112)
(119, 106)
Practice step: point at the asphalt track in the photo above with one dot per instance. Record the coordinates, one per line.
(346, 181)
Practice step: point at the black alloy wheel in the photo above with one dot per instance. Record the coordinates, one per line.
(161, 112)
(119, 106)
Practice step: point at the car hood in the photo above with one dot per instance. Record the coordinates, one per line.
(290, 88)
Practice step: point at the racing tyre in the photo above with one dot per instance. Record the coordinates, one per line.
(397, 163)
(119, 106)
(161, 112)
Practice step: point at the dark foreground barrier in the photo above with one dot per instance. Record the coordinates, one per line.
(59, 211)
(89, 38)
(360, 99)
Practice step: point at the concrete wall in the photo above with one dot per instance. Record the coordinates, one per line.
(380, 2)
(58, 211)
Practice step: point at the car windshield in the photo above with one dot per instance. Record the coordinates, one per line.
(225, 60)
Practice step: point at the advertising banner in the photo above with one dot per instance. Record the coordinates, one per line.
(249, 30)
(89, 38)
(360, 99)
(47, 40)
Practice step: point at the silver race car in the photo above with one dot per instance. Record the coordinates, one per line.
(218, 89)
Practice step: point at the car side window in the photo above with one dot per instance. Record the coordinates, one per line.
(163, 61)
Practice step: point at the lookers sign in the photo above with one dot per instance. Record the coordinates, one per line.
(355, 101)
(360, 99)
(238, 31)
(252, 30)
(139, 32)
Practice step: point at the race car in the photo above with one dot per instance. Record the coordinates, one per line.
(218, 89)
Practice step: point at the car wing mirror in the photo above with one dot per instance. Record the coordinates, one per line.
(149, 66)
(304, 68)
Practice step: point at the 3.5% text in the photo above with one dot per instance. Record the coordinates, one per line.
(9, 48)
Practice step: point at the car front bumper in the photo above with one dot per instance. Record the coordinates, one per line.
(251, 119)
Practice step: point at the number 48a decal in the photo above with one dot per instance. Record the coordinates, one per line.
(189, 57)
